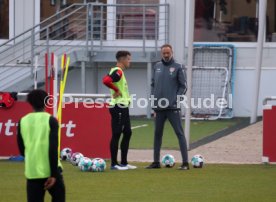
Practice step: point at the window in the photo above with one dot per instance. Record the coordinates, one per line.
(129, 20)
(74, 26)
(50, 7)
(4, 19)
(271, 21)
(226, 20)
(98, 14)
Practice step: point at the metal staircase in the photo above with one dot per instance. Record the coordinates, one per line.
(86, 32)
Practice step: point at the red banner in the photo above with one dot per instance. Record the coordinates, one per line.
(84, 129)
(269, 134)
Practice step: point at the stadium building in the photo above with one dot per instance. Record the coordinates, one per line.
(92, 31)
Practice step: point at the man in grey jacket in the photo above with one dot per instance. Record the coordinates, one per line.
(168, 86)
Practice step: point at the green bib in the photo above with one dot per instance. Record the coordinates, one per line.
(123, 87)
(35, 130)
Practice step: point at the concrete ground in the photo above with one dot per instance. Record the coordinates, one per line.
(241, 147)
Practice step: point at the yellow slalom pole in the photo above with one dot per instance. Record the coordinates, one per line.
(59, 118)
(63, 85)
(60, 105)
(62, 89)
(65, 75)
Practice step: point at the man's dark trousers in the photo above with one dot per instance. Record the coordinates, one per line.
(36, 192)
(120, 123)
(174, 118)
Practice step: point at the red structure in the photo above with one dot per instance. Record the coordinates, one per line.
(269, 134)
(84, 129)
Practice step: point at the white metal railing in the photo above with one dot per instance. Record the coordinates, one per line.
(90, 27)
(87, 28)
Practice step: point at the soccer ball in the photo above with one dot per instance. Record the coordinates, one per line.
(65, 154)
(197, 161)
(98, 165)
(85, 164)
(75, 158)
(168, 161)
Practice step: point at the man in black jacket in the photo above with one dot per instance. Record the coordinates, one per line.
(168, 86)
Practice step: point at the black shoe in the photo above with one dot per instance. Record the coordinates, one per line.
(184, 166)
(154, 165)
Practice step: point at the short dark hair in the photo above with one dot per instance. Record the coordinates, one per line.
(37, 99)
(166, 46)
(121, 54)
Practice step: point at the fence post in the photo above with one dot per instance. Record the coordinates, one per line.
(149, 68)
(92, 29)
(156, 29)
(83, 79)
(47, 41)
(167, 24)
(144, 30)
(32, 50)
(189, 72)
(101, 27)
(47, 59)
(87, 28)
(35, 71)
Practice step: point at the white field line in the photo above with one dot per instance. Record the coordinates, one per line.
(141, 126)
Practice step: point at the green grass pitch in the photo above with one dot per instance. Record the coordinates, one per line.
(238, 183)
(142, 138)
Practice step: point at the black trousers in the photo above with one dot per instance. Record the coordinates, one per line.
(36, 192)
(174, 118)
(120, 123)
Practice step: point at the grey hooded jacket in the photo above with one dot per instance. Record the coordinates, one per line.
(168, 83)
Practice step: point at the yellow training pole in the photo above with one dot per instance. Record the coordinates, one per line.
(63, 85)
(62, 89)
(65, 75)
(60, 105)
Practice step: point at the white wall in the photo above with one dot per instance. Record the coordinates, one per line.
(243, 90)
(244, 79)
(243, 93)
(137, 83)
(136, 77)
